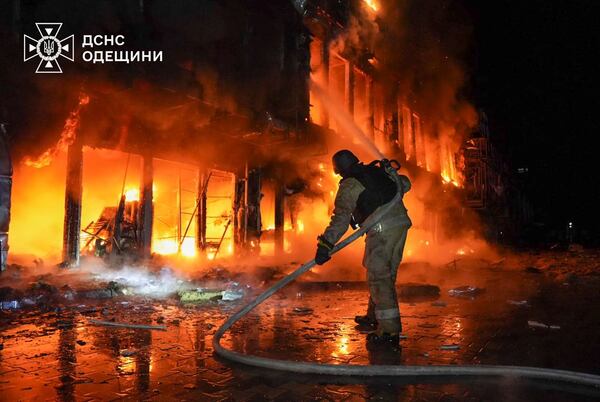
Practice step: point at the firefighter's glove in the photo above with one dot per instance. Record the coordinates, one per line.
(323, 249)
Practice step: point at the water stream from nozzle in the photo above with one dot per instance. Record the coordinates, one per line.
(345, 120)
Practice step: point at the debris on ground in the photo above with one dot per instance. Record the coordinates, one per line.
(200, 295)
(537, 324)
(466, 292)
(231, 295)
(439, 303)
(95, 294)
(450, 347)
(302, 310)
(67, 293)
(518, 302)
(127, 325)
(10, 305)
(127, 352)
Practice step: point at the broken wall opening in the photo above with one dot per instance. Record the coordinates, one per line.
(107, 174)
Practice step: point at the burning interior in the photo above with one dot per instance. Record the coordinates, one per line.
(215, 154)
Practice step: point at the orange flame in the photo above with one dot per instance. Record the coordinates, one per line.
(67, 136)
(371, 4)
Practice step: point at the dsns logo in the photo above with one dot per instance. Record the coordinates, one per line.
(48, 47)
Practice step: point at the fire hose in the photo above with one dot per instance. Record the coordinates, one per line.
(380, 370)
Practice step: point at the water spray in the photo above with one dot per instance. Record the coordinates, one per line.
(345, 120)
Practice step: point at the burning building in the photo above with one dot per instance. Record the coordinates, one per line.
(223, 147)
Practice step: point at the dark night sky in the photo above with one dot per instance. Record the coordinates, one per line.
(532, 70)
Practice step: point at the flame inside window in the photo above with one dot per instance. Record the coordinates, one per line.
(371, 4)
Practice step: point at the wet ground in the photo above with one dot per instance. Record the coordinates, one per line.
(60, 355)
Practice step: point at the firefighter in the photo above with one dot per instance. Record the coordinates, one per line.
(362, 190)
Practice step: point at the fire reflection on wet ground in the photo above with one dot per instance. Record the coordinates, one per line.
(60, 355)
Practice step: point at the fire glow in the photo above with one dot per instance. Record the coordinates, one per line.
(67, 136)
(371, 4)
(358, 113)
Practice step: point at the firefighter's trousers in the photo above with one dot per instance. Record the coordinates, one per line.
(383, 254)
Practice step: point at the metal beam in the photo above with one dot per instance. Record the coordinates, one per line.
(147, 207)
(73, 192)
(279, 217)
(349, 87)
(203, 180)
(5, 195)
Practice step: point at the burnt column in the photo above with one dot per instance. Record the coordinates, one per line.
(239, 211)
(370, 111)
(349, 88)
(325, 72)
(5, 192)
(147, 208)
(401, 124)
(203, 178)
(253, 216)
(279, 217)
(73, 192)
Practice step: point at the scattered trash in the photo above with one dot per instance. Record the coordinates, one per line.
(425, 354)
(10, 305)
(127, 352)
(189, 386)
(67, 293)
(81, 343)
(450, 347)
(537, 324)
(439, 304)
(43, 287)
(231, 295)
(116, 288)
(200, 295)
(518, 302)
(302, 310)
(126, 325)
(96, 294)
(466, 292)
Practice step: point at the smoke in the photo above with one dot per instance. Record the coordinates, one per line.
(418, 48)
(211, 109)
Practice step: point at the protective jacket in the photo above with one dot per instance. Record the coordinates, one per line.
(363, 191)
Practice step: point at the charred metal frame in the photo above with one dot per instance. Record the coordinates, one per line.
(73, 194)
(147, 207)
(279, 217)
(203, 179)
(6, 172)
